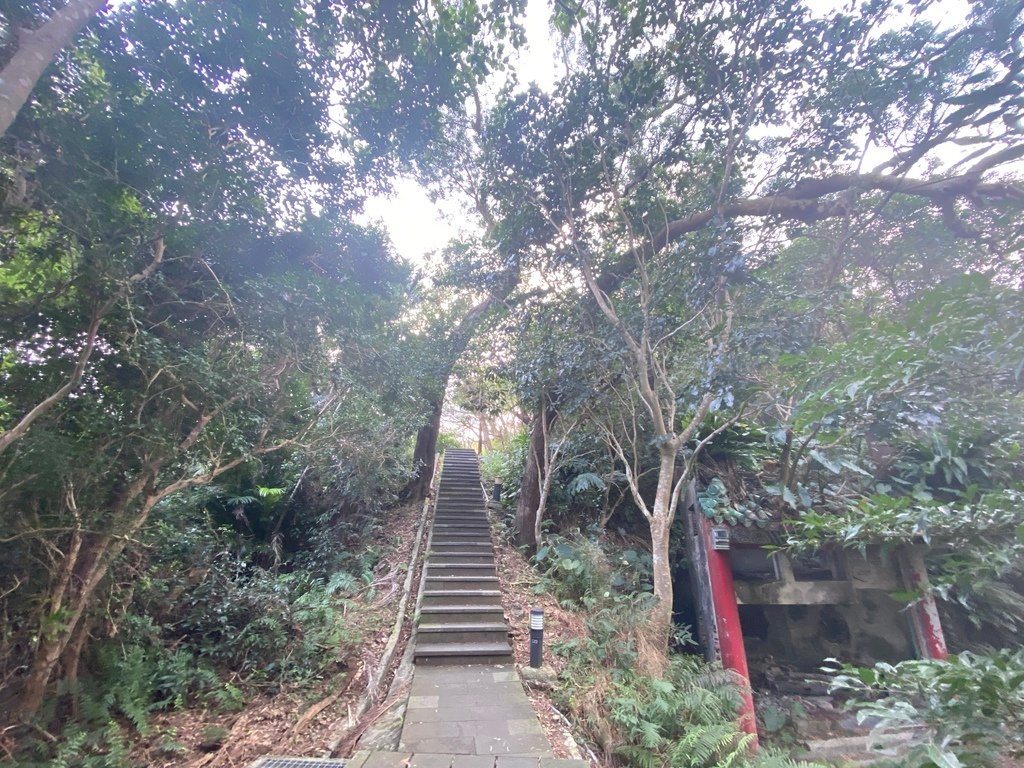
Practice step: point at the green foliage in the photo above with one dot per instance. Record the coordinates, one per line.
(972, 705)
(685, 717)
(715, 503)
(977, 549)
(505, 466)
(589, 571)
(446, 441)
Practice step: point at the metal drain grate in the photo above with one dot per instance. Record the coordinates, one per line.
(296, 762)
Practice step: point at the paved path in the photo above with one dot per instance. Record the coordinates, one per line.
(473, 710)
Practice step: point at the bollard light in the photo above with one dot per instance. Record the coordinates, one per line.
(536, 637)
(497, 492)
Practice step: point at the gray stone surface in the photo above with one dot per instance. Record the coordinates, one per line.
(533, 745)
(474, 710)
(466, 696)
(430, 761)
(514, 710)
(387, 760)
(516, 762)
(472, 761)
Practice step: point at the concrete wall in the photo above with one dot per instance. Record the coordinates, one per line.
(796, 623)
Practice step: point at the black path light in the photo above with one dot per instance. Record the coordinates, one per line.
(536, 636)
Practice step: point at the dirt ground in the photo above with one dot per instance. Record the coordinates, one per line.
(297, 721)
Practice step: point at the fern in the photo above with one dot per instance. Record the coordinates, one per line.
(687, 719)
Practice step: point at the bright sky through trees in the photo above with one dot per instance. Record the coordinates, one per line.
(418, 226)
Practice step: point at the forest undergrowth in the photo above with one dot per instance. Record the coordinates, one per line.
(250, 660)
(630, 706)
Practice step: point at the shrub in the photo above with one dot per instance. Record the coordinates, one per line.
(973, 705)
(586, 571)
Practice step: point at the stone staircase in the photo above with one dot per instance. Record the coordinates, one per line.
(468, 709)
(461, 620)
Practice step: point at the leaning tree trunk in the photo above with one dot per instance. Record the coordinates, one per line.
(89, 567)
(36, 51)
(424, 455)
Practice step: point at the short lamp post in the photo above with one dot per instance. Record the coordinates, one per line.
(536, 637)
(496, 493)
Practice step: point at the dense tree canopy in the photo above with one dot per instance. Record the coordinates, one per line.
(757, 243)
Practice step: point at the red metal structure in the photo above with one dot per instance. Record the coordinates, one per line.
(924, 614)
(731, 649)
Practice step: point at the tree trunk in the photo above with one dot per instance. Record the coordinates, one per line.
(70, 660)
(36, 51)
(424, 455)
(88, 570)
(660, 523)
(529, 488)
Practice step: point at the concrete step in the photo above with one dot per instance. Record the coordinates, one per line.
(462, 548)
(468, 519)
(447, 540)
(462, 527)
(449, 597)
(481, 534)
(460, 558)
(461, 633)
(463, 653)
(460, 582)
(461, 553)
(459, 569)
(483, 614)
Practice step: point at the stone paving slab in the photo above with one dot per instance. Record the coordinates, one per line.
(472, 710)
(515, 710)
(365, 759)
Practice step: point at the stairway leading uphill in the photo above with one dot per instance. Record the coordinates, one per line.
(467, 710)
(461, 618)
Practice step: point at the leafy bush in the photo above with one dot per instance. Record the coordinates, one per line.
(685, 719)
(684, 716)
(972, 704)
(263, 625)
(586, 571)
(446, 440)
(506, 466)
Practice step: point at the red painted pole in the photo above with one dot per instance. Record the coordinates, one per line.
(924, 614)
(727, 618)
